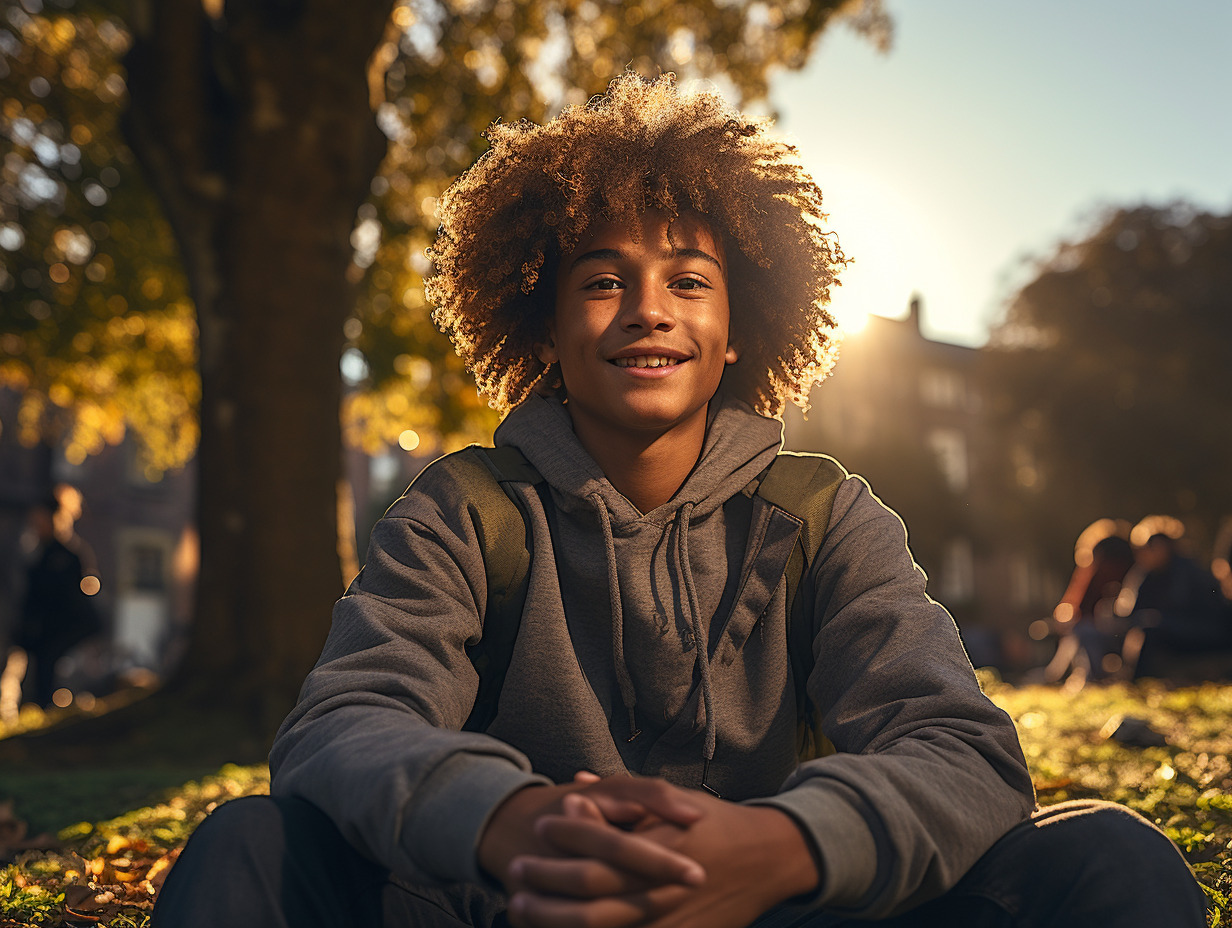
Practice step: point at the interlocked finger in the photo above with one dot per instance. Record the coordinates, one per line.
(621, 850)
(616, 811)
(532, 910)
(574, 877)
(625, 799)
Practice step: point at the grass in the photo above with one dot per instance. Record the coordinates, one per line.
(105, 870)
(1185, 787)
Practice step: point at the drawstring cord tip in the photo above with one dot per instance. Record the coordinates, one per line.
(635, 731)
(705, 773)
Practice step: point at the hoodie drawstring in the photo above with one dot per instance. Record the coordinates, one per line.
(703, 649)
(623, 679)
(702, 657)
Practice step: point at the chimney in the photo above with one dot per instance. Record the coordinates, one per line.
(914, 308)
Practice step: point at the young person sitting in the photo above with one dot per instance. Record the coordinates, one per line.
(641, 283)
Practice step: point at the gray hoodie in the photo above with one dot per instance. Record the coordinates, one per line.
(670, 623)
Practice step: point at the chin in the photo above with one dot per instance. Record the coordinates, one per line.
(659, 419)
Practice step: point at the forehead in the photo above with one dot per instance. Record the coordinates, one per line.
(652, 233)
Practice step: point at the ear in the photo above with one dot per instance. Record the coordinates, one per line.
(732, 356)
(545, 350)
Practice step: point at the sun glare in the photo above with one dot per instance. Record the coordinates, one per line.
(879, 229)
(851, 320)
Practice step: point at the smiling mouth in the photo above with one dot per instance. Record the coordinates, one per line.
(646, 361)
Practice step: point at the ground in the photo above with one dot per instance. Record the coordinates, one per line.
(1098, 743)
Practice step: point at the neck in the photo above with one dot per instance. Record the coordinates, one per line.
(647, 467)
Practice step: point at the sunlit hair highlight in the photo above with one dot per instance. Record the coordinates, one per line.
(644, 144)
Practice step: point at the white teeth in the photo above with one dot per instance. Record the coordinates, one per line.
(645, 361)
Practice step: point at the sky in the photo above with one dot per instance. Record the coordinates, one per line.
(993, 130)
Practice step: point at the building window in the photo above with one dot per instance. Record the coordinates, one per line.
(950, 447)
(958, 572)
(148, 568)
(143, 561)
(143, 598)
(943, 389)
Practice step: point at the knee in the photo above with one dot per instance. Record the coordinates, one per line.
(250, 823)
(256, 847)
(259, 832)
(1082, 833)
(1088, 863)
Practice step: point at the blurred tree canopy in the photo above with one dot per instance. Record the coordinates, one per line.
(1110, 375)
(207, 203)
(96, 328)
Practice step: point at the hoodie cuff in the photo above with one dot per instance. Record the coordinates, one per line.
(441, 830)
(828, 813)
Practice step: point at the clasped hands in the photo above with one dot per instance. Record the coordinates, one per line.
(629, 851)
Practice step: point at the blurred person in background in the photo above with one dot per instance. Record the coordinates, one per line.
(57, 611)
(1175, 603)
(1090, 632)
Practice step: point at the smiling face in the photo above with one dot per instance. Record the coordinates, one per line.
(641, 327)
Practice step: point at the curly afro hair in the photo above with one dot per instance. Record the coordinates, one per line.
(644, 144)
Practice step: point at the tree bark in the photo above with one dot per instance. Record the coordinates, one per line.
(256, 132)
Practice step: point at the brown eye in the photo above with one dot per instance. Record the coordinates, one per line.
(690, 283)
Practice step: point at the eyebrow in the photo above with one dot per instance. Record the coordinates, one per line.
(612, 254)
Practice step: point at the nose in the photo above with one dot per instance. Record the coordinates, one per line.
(646, 308)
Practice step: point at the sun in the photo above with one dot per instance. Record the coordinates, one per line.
(851, 319)
(880, 229)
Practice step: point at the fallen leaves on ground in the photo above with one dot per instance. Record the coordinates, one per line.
(108, 873)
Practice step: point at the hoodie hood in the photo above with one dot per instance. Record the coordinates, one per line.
(739, 445)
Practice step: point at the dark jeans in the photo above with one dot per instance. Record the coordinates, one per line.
(280, 863)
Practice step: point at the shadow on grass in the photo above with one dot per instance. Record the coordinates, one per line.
(130, 751)
(50, 801)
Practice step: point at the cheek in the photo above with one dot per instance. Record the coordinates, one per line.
(574, 346)
(722, 323)
(581, 328)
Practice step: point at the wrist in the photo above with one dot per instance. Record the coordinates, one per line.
(510, 829)
(797, 870)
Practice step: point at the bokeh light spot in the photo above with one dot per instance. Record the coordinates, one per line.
(12, 236)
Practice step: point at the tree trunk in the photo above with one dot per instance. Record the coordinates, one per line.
(257, 133)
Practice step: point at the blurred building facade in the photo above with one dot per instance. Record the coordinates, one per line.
(140, 530)
(908, 413)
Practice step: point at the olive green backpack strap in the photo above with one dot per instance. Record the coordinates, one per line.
(486, 476)
(804, 486)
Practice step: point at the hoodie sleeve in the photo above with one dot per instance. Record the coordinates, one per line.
(929, 772)
(374, 739)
